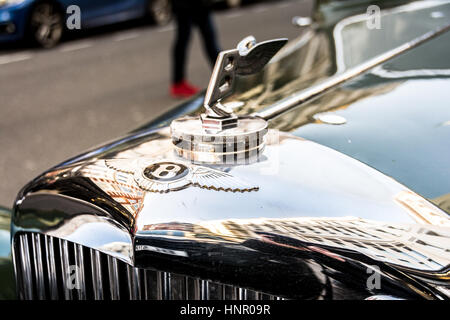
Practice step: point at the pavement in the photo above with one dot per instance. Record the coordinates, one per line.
(100, 84)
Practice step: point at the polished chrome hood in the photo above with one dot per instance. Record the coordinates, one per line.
(299, 198)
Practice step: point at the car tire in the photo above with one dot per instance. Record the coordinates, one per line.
(46, 24)
(160, 11)
(233, 3)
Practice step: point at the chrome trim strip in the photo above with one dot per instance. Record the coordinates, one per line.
(306, 95)
(204, 290)
(167, 286)
(197, 290)
(146, 287)
(133, 283)
(223, 292)
(235, 293)
(25, 264)
(114, 285)
(96, 267)
(159, 288)
(79, 261)
(38, 266)
(51, 268)
(186, 288)
(242, 294)
(64, 256)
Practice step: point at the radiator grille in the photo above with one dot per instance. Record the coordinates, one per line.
(56, 269)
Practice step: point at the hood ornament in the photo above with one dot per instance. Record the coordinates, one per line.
(219, 136)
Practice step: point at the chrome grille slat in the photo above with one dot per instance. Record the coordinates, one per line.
(242, 294)
(235, 295)
(167, 285)
(197, 289)
(52, 268)
(64, 256)
(178, 287)
(27, 288)
(204, 291)
(38, 266)
(146, 288)
(159, 287)
(114, 285)
(163, 286)
(79, 262)
(133, 283)
(186, 287)
(97, 279)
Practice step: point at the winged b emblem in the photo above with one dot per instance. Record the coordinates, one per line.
(163, 176)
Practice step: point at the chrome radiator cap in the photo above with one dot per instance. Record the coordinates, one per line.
(219, 136)
(239, 145)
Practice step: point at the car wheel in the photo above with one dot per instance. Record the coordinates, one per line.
(160, 11)
(46, 25)
(233, 3)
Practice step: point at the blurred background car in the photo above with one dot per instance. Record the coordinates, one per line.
(43, 21)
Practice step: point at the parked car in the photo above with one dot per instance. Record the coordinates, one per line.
(324, 177)
(43, 21)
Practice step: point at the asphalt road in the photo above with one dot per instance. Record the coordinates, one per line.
(100, 84)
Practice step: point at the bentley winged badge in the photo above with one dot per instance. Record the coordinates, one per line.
(167, 175)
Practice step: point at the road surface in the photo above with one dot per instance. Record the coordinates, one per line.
(100, 84)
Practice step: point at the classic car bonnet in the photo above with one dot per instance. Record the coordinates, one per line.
(300, 194)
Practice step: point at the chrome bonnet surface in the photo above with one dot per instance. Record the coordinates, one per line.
(302, 209)
(303, 221)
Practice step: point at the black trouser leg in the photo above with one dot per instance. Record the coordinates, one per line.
(206, 26)
(184, 24)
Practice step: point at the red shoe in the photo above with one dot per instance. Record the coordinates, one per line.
(183, 89)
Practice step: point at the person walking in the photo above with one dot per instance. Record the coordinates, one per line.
(187, 14)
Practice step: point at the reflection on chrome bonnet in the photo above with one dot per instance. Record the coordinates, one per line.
(312, 209)
(228, 201)
(165, 176)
